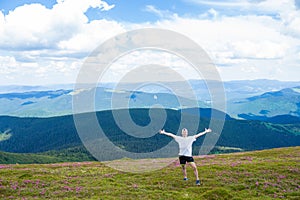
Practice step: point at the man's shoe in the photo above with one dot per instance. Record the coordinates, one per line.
(197, 182)
(185, 179)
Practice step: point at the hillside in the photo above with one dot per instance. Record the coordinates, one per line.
(35, 135)
(26, 158)
(268, 174)
(266, 105)
(72, 154)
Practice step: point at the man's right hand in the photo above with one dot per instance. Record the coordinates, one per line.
(207, 130)
(162, 131)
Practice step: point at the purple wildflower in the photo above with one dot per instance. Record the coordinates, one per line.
(43, 192)
(78, 189)
(281, 176)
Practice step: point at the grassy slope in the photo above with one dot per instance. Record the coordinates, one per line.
(250, 175)
(26, 158)
(72, 154)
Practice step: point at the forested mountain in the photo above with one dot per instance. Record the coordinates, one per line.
(33, 135)
(269, 104)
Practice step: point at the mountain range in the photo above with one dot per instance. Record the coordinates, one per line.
(269, 104)
(257, 99)
(38, 120)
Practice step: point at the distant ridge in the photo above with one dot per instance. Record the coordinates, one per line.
(279, 119)
(260, 97)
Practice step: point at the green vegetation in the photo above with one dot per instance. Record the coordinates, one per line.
(264, 174)
(36, 135)
(73, 154)
(284, 128)
(26, 158)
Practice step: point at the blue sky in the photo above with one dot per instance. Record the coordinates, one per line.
(129, 10)
(46, 41)
(137, 12)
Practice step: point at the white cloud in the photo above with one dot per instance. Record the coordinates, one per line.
(51, 43)
(38, 73)
(273, 6)
(91, 35)
(136, 59)
(235, 36)
(8, 64)
(50, 38)
(33, 26)
(152, 9)
(158, 12)
(257, 46)
(2, 22)
(259, 50)
(23, 28)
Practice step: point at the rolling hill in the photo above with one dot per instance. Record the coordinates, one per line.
(270, 104)
(35, 135)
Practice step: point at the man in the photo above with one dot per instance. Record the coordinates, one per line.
(185, 150)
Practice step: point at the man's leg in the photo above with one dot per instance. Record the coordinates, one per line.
(184, 171)
(195, 169)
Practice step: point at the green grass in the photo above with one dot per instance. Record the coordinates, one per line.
(264, 174)
(72, 154)
(26, 158)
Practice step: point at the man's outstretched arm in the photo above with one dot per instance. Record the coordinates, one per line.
(207, 130)
(166, 133)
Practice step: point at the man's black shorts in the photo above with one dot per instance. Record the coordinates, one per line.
(184, 159)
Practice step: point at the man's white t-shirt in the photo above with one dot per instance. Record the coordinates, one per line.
(185, 145)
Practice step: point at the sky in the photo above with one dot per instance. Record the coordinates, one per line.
(46, 41)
